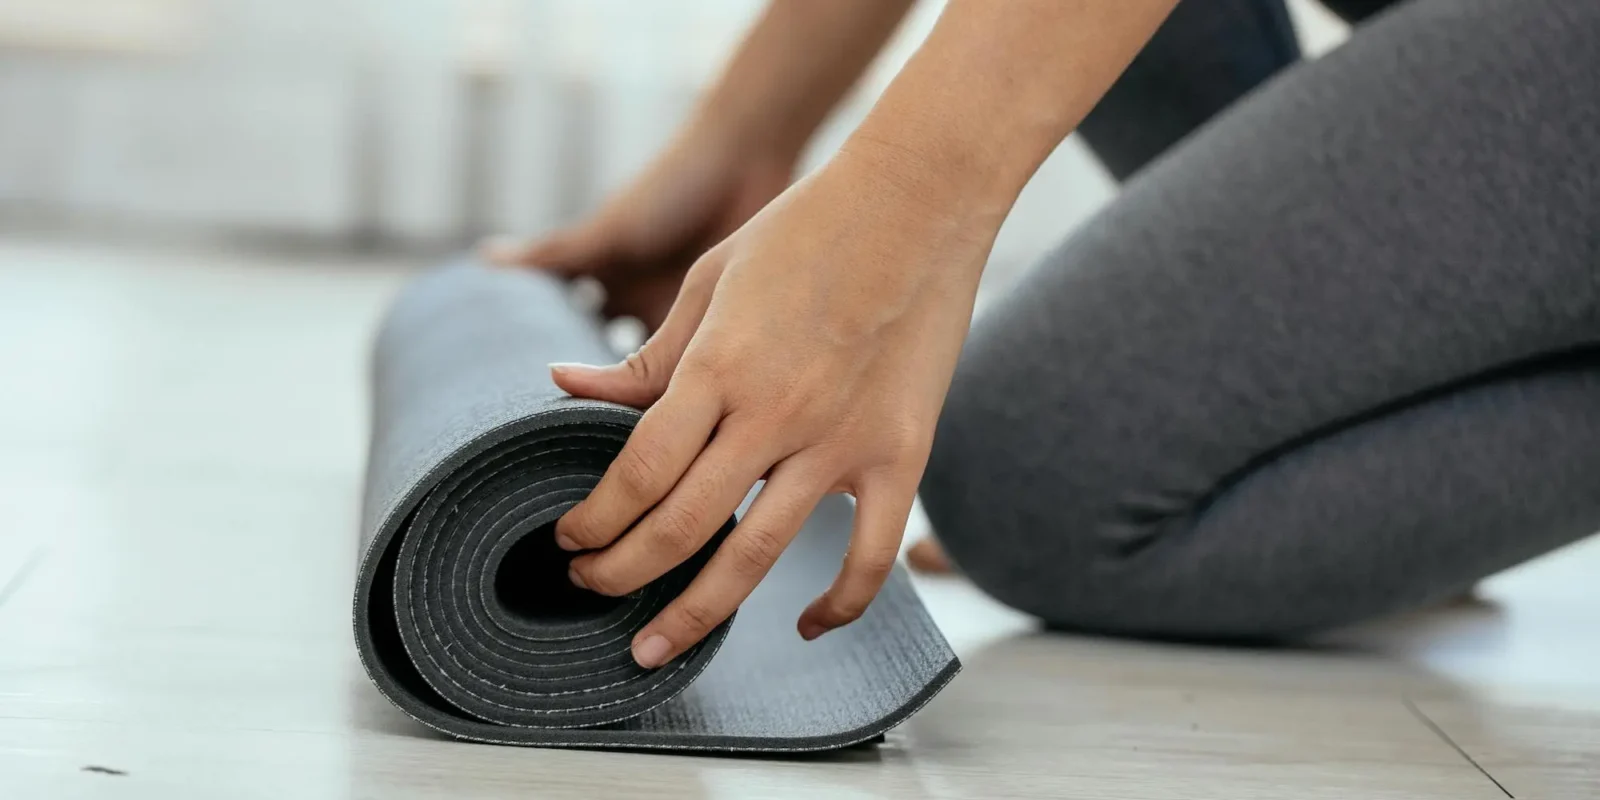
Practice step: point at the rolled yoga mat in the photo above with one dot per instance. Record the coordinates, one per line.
(464, 617)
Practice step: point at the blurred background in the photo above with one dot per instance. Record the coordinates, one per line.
(401, 127)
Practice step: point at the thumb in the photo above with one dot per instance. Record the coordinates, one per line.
(640, 379)
(571, 251)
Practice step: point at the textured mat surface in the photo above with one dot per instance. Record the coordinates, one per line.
(464, 617)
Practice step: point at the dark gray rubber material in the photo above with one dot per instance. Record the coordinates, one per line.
(464, 617)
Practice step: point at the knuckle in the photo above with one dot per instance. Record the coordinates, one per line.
(638, 467)
(875, 564)
(596, 579)
(696, 617)
(641, 364)
(579, 524)
(676, 532)
(754, 550)
(724, 355)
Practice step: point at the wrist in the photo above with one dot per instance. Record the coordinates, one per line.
(973, 114)
(941, 174)
(752, 127)
(907, 216)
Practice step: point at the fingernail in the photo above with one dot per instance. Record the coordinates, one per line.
(563, 366)
(565, 542)
(811, 630)
(652, 651)
(577, 580)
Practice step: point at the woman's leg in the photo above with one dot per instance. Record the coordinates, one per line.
(1357, 11)
(1306, 369)
(1207, 55)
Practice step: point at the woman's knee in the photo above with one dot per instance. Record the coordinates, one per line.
(1009, 490)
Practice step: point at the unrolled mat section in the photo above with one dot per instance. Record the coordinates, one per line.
(464, 617)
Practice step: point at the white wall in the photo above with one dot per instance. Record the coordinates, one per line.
(337, 117)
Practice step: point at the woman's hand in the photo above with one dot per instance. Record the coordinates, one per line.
(813, 347)
(736, 154)
(640, 243)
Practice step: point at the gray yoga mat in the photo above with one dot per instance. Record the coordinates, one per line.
(464, 617)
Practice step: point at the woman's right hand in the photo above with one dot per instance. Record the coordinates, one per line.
(642, 240)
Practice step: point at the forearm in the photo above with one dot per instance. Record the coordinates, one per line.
(993, 90)
(795, 65)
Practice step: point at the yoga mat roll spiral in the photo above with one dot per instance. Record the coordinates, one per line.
(464, 617)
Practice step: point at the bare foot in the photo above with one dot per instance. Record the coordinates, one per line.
(928, 557)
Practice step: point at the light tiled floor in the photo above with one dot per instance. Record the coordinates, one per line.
(180, 444)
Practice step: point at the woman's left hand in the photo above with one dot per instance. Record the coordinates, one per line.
(813, 347)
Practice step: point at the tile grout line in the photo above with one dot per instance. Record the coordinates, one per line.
(19, 577)
(1438, 731)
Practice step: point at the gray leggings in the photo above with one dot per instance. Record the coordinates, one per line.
(1335, 355)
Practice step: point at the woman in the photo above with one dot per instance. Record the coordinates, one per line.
(1328, 357)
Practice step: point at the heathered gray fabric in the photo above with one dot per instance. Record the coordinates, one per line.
(1331, 357)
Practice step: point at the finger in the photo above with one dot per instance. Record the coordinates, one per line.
(658, 452)
(738, 565)
(712, 489)
(881, 512)
(571, 251)
(642, 377)
(929, 558)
